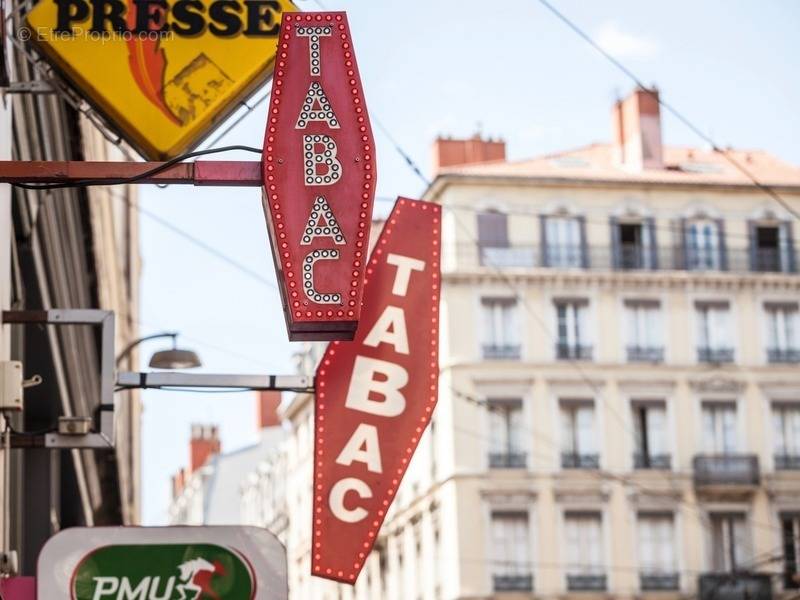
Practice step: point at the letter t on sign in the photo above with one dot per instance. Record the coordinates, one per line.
(376, 394)
(319, 176)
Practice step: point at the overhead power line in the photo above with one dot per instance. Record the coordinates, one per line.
(670, 109)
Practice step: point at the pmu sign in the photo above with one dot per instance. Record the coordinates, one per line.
(375, 395)
(163, 72)
(319, 176)
(162, 563)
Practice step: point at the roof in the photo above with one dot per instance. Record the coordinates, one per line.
(683, 166)
(222, 499)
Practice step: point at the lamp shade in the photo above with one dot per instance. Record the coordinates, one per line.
(175, 359)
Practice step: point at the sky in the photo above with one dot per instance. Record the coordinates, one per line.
(507, 70)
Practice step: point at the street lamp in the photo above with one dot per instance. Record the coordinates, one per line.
(171, 358)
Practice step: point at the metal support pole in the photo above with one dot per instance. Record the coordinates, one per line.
(158, 380)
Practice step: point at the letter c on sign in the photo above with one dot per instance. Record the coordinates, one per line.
(336, 499)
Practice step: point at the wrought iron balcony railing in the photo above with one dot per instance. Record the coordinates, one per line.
(507, 460)
(652, 582)
(501, 351)
(734, 586)
(733, 469)
(630, 257)
(572, 460)
(651, 354)
(573, 352)
(586, 583)
(513, 583)
(652, 461)
(787, 462)
(714, 355)
(783, 355)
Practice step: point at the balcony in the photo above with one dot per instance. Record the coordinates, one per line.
(734, 586)
(573, 352)
(518, 256)
(716, 356)
(735, 470)
(571, 460)
(783, 355)
(649, 354)
(659, 582)
(629, 258)
(513, 583)
(652, 461)
(501, 352)
(772, 260)
(586, 583)
(507, 460)
(787, 462)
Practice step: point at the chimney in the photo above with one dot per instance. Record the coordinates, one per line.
(178, 483)
(449, 152)
(636, 123)
(268, 403)
(203, 445)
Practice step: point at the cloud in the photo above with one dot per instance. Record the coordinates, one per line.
(622, 44)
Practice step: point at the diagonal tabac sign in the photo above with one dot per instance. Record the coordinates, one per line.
(163, 72)
(319, 176)
(376, 394)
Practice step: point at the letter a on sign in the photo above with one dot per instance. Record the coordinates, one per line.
(376, 394)
(319, 177)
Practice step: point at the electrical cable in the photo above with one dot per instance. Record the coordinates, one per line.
(672, 110)
(133, 179)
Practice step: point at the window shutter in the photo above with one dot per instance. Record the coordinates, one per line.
(751, 232)
(492, 230)
(791, 258)
(615, 255)
(682, 248)
(650, 222)
(584, 246)
(723, 247)
(543, 239)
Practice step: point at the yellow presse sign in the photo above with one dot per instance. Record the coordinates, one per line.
(163, 72)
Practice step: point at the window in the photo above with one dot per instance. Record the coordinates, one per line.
(643, 319)
(562, 242)
(786, 433)
(783, 332)
(790, 526)
(500, 328)
(511, 559)
(633, 244)
(714, 332)
(729, 543)
(656, 551)
(505, 434)
(578, 447)
(772, 247)
(493, 244)
(650, 425)
(584, 552)
(719, 428)
(705, 245)
(573, 330)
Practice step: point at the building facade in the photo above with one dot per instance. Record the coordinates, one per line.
(65, 248)
(619, 411)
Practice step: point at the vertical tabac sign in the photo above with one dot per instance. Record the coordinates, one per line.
(375, 395)
(319, 176)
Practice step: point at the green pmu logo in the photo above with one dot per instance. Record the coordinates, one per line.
(163, 572)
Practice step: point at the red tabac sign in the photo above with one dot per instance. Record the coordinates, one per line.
(319, 176)
(375, 395)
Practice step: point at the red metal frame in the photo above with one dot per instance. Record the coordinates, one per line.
(201, 172)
